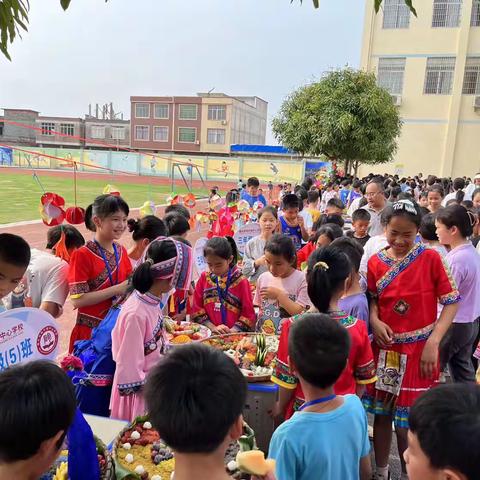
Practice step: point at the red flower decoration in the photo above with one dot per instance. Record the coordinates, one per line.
(71, 362)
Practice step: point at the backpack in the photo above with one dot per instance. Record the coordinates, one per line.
(93, 386)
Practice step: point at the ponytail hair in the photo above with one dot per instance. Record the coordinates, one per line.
(457, 216)
(458, 186)
(328, 268)
(158, 251)
(223, 247)
(102, 207)
(459, 196)
(149, 227)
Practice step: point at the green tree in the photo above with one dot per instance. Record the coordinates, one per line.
(14, 18)
(344, 116)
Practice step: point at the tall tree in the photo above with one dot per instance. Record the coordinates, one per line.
(14, 18)
(344, 116)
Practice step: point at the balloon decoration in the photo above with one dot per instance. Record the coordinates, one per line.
(148, 208)
(75, 215)
(230, 218)
(189, 200)
(111, 190)
(52, 209)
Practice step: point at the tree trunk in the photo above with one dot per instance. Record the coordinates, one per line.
(356, 165)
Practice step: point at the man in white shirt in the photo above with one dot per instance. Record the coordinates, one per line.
(375, 194)
(45, 284)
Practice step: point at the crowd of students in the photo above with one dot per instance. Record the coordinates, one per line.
(372, 285)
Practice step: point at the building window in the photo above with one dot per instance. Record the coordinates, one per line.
(98, 131)
(160, 111)
(396, 14)
(48, 128)
(67, 128)
(188, 112)
(142, 110)
(471, 80)
(187, 135)
(439, 75)
(390, 74)
(217, 112)
(446, 13)
(1, 128)
(216, 136)
(160, 134)
(118, 133)
(475, 19)
(142, 132)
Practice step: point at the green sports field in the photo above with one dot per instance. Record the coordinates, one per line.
(20, 193)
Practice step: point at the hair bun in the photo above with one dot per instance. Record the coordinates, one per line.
(133, 225)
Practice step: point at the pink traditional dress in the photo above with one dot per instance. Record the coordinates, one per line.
(407, 292)
(137, 345)
(138, 338)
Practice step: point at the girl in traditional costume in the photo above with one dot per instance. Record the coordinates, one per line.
(99, 270)
(328, 275)
(223, 298)
(138, 337)
(406, 280)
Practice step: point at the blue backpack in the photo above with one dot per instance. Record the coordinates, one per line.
(93, 386)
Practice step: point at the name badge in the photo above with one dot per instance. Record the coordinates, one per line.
(218, 306)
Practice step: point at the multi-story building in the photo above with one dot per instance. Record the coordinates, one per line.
(207, 123)
(27, 127)
(430, 64)
(107, 133)
(12, 129)
(59, 131)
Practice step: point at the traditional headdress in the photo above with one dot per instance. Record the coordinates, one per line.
(178, 268)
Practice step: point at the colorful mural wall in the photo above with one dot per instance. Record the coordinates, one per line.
(211, 168)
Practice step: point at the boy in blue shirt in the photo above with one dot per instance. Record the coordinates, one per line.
(251, 194)
(327, 439)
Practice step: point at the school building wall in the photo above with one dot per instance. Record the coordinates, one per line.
(441, 132)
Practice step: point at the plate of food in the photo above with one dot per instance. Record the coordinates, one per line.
(59, 470)
(254, 353)
(185, 332)
(140, 454)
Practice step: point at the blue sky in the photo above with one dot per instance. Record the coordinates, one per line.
(102, 52)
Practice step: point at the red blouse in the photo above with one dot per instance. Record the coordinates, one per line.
(88, 273)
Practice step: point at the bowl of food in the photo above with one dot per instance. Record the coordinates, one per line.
(140, 454)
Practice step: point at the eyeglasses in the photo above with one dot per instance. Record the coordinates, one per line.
(371, 194)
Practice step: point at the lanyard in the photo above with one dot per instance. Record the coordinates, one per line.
(102, 252)
(316, 402)
(222, 296)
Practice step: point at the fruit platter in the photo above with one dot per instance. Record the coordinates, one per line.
(254, 353)
(140, 454)
(185, 332)
(59, 470)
